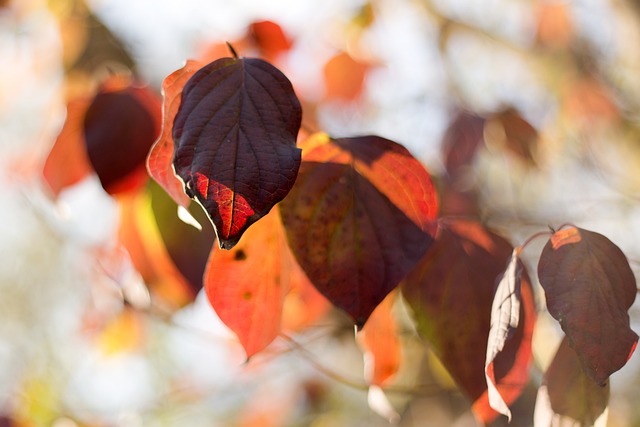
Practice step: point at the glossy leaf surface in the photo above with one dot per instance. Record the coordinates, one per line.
(451, 294)
(235, 142)
(160, 160)
(358, 219)
(246, 285)
(589, 288)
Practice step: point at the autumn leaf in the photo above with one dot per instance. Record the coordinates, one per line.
(358, 219)
(509, 130)
(160, 159)
(568, 396)
(246, 285)
(344, 77)
(58, 171)
(451, 294)
(505, 317)
(270, 38)
(589, 288)
(380, 343)
(235, 136)
(460, 145)
(139, 233)
(120, 125)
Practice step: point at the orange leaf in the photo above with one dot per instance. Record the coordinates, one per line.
(589, 288)
(160, 159)
(68, 162)
(303, 305)
(358, 218)
(555, 25)
(246, 285)
(451, 293)
(344, 77)
(140, 235)
(380, 343)
(270, 38)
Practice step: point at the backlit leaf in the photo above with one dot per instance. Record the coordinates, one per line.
(235, 135)
(505, 317)
(568, 396)
(451, 294)
(270, 38)
(358, 219)
(139, 233)
(246, 285)
(120, 125)
(344, 77)
(68, 162)
(380, 343)
(160, 159)
(589, 287)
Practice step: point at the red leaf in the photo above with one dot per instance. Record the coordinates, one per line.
(568, 395)
(451, 293)
(380, 343)
(120, 126)
(160, 160)
(358, 219)
(68, 162)
(270, 38)
(246, 285)
(589, 287)
(235, 136)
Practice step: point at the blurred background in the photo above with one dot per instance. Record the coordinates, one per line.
(526, 112)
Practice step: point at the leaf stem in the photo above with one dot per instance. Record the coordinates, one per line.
(417, 390)
(549, 232)
(233, 51)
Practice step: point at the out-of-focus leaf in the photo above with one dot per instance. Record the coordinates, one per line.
(514, 133)
(358, 219)
(568, 397)
(380, 343)
(344, 77)
(125, 332)
(235, 135)
(303, 305)
(451, 294)
(555, 28)
(460, 144)
(587, 101)
(160, 160)
(140, 235)
(589, 287)
(120, 126)
(270, 38)
(186, 246)
(246, 285)
(505, 317)
(68, 162)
